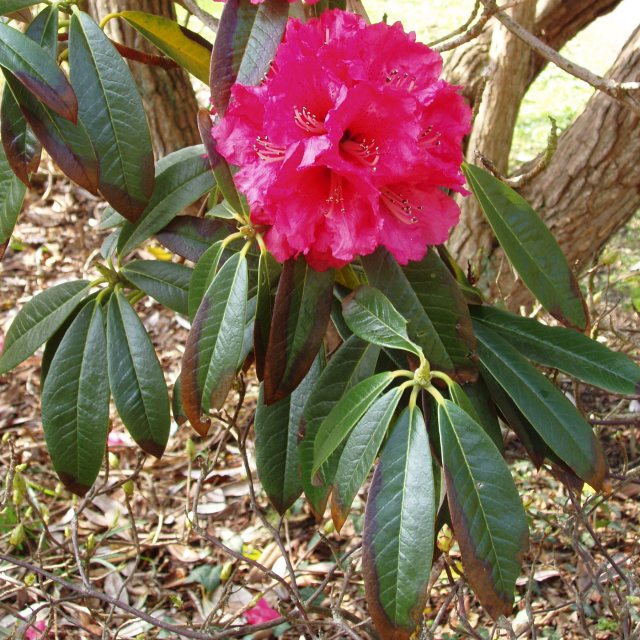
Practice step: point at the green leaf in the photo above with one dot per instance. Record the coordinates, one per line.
(180, 44)
(37, 71)
(268, 273)
(372, 317)
(344, 416)
(38, 320)
(354, 361)
(190, 237)
(443, 301)
(530, 247)
(110, 218)
(75, 401)
(166, 282)
(488, 421)
(397, 545)
(176, 187)
(67, 143)
(385, 274)
(111, 108)
(214, 345)
(12, 192)
(247, 38)
(359, 453)
(276, 429)
(488, 519)
(564, 349)
(555, 419)
(136, 378)
(203, 276)
(177, 410)
(9, 6)
(300, 317)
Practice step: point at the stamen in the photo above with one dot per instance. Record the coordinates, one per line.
(401, 80)
(367, 152)
(308, 121)
(400, 207)
(267, 151)
(336, 196)
(430, 139)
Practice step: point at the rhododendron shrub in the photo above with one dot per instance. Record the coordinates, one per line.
(352, 142)
(326, 181)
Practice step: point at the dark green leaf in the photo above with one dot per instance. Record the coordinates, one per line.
(360, 451)
(300, 317)
(276, 428)
(552, 415)
(37, 71)
(173, 40)
(443, 301)
(177, 409)
(268, 273)
(166, 282)
(12, 192)
(344, 416)
(111, 108)
(190, 237)
(488, 421)
(530, 247)
(67, 143)
(385, 274)
(219, 166)
(177, 185)
(354, 361)
(38, 320)
(215, 343)
(564, 349)
(397, 546)
(246, 42)
(203, 276)
(488, 518)
(372, 317)
(75, 401)
(136, 378)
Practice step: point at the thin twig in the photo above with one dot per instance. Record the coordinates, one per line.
(617, 90)
(207, 19)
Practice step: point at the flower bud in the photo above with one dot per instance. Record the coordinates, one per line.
(444, 540)
(190, 448)
(17, 535)
(114, 461)
(128, 488)
(29, 579)
(227, 568)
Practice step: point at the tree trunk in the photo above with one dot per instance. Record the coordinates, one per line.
(509, 59)
(592, 186)
(167, 95)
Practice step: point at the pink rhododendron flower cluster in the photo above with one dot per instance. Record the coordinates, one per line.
(348, 144)
(261, 1)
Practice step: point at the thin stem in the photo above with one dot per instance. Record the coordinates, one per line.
(107, 18)
(442, 376)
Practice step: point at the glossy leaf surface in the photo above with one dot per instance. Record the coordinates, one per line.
(530, 247)
(385, 274)
(372, 317)
(136, 378)
(268, 273)
(178, 184)
(246, 42)
(214, 346)
(399, 529)
(360, 451)
(300, 317)
(181, 45)
(203, 276)
(75, 401)
(37, 71)
(190, 237)
(553, 416)
(354, 361)
(38, 320)
(166, 282)
(564, 349)
(276, 430)
(111, 108)
(487, 515)
(12, 192)
(344, 416)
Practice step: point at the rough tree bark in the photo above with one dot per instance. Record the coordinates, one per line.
(592, 187)
(167, 95)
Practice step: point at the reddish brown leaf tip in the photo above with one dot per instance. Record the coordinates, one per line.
(152, 448)
(73, 485)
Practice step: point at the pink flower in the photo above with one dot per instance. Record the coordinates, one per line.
(36, 630)
(262, 612)
(261, 1)
(350, 143)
